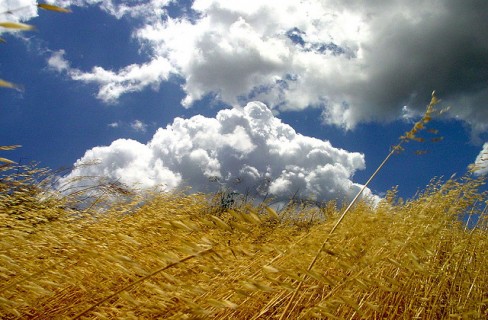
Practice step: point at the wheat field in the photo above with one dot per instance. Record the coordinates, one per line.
(186, 256)
(107, 251)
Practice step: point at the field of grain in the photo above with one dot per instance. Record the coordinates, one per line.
(107, 251)
(186, 256)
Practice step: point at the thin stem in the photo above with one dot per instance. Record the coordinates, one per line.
(408, 136)
(314, 260)
(191, 256)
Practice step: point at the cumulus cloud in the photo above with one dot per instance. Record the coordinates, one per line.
(246, 149)
(358, 61)
(481, 162)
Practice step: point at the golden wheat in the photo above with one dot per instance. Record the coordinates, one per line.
(109, 252)
(178, 256)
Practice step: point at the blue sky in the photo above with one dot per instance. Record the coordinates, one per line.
(339, 82)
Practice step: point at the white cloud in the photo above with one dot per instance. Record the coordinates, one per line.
(481, 162)
(358, 61)
(115, 83)
(409, 115)
(119, 9)
(58, 62)
(127, 161)
(138, 125)
(248, 149)
(17, 10)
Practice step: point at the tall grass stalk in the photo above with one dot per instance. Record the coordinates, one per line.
(411, 135)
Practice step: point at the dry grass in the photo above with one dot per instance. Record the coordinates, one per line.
(179, 256)
(107, 252)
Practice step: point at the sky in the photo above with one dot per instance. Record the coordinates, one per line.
(268, 98)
